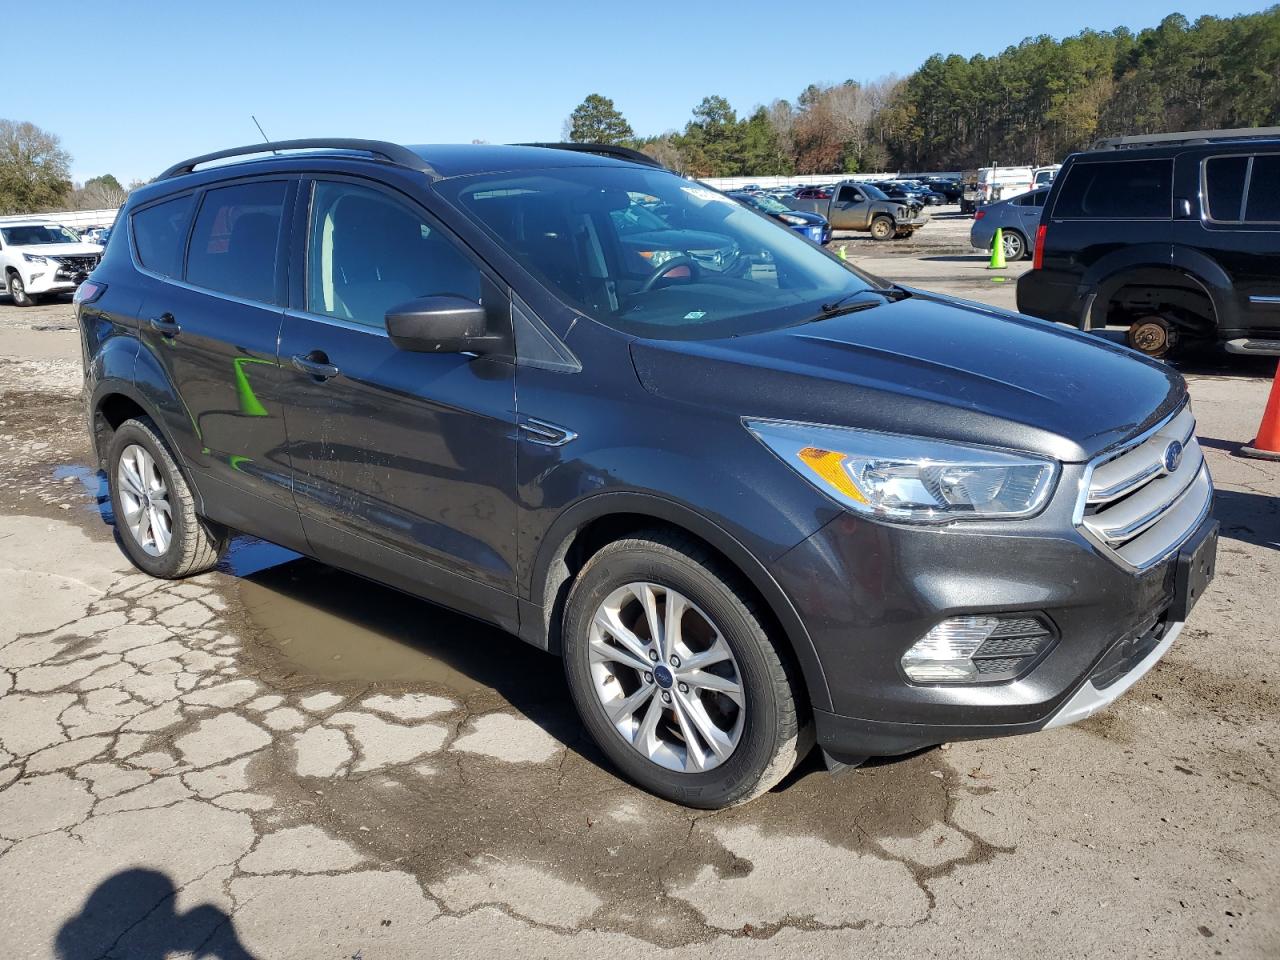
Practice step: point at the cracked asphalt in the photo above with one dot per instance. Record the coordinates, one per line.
(277, 759)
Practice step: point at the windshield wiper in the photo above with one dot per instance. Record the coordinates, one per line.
(843, 305)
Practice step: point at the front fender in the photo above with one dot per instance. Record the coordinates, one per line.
(613, 503)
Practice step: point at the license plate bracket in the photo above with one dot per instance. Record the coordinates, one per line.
(1194, 571)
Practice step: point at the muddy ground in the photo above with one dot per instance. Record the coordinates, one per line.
(278, 759)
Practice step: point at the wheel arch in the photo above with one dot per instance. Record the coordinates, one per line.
(115, 401)
(591, 523)
(1155, 277)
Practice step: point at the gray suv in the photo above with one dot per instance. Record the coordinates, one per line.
(753, 497)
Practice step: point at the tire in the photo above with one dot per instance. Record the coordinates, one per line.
(18, 291)
(762, 729)
(193, 545)
(882, 228)
(1015, 246)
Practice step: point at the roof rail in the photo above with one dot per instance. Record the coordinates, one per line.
(1184, 137)
(603, 150)
(391, 152)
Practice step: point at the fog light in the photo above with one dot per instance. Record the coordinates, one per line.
(987, 648)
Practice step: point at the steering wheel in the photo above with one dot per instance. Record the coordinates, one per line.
(666, 267)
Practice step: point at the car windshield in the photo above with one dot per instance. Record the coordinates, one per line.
(651, 254)
(32, 234)
(873, 192)
(768, 205)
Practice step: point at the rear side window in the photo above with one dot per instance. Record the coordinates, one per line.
(159, 232)
(233, 245)
(1117, 190)
(1263, 204)
(1224, 186)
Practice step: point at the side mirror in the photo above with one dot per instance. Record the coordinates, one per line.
(441, 324)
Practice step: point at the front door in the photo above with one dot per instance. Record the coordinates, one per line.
(849, 209)
(403, 463)
(211, 321)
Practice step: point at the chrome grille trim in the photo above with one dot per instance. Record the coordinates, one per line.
(1133, 507)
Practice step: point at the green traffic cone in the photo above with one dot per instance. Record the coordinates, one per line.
(844, 253)
(997, 251)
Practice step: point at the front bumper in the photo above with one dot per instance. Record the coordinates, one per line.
(51, 277)
(869, 591)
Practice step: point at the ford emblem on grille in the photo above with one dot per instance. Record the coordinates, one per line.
(1172, 456)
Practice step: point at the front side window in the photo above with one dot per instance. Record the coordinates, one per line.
(159, 232)
(702, 267)
(1263, 205)
(849, 195)
(368, 252)
(233, 244)
(1117, 190)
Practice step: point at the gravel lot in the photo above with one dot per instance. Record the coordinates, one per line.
(280, 760)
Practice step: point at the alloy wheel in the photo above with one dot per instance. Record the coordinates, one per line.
(666, 678)
(144, 500)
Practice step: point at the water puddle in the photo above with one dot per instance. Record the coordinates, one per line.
(335, 626)
(94, 483)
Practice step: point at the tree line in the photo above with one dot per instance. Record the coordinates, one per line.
(35, 175)
(1032, 103)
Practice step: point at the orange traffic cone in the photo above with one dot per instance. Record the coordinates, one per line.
(1267, 443)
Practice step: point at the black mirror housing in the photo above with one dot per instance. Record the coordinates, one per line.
(441, 324)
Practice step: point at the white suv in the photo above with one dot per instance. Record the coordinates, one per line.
(39, 257)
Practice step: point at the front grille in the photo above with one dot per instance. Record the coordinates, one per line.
(81, 264)
(1143, 500)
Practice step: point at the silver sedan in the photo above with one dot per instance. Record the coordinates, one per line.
(1019, 216)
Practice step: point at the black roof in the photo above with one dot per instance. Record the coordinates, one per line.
(461, 159)
(436, 160)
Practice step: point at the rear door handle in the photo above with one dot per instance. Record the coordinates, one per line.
(314, 364)
(165, 325)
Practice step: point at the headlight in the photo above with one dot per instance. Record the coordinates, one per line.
(34, 258)
(658, 257)
(910, 479)
(792, 219)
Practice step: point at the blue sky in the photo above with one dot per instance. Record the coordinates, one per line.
(162, 81)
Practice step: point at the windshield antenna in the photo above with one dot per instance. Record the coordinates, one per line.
(265, 138)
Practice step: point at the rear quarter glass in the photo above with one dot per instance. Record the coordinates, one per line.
(1117, 190)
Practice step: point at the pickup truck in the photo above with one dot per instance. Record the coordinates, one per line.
(851, 205)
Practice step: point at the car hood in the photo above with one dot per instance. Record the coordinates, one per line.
(927, 366)
(61, 249)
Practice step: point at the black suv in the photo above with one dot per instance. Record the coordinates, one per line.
(750, 494)
(1174, 236)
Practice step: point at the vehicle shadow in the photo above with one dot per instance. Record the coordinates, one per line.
(1248, 517)
(139, 904)
(335, 626)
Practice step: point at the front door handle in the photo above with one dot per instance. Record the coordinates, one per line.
(314, 364)
(165, 325)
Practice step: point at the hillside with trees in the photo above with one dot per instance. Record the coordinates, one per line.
(1032, 103)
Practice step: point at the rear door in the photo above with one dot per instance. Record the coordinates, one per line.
(1027, 211)
(1240, 229)
(404, 463)
(211, 321)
